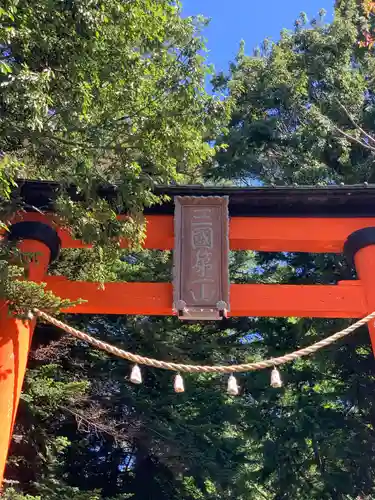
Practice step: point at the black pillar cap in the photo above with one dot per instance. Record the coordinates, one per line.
(356, 241)
(28, 230)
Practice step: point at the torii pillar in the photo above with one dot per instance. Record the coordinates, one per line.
(15, 334)
(360, 250)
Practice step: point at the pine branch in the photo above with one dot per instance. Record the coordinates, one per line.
(370, 138)
(353, 139)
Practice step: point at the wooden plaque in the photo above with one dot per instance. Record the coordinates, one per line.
(201, 276)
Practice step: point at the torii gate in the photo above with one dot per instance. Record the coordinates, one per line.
(321, 220)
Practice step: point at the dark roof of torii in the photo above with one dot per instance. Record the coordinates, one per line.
(278, 201)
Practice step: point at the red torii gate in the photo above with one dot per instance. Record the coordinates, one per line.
(319, 220)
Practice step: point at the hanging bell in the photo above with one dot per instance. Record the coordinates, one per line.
(276, 378)
(136, 375)
(233, 388)
(178, 384)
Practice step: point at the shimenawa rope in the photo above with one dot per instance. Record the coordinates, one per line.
(179, 367)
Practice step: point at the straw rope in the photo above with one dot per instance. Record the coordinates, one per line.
(179, 367)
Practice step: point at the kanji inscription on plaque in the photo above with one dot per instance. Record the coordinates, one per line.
(201, 281)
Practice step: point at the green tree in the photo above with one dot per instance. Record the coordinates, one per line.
(103, 92)
(303, 113)
(303, 107)
(100, 92)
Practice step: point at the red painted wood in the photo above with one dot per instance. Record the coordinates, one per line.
(365, 266)
(316, 235)
(334, 301)
(15, 339)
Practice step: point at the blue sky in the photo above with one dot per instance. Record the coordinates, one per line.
(251, 20)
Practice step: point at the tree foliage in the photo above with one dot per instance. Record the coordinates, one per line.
(303, 107)
(101, 92)
(303, 111)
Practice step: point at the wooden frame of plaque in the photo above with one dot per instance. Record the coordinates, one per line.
(200, 259)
